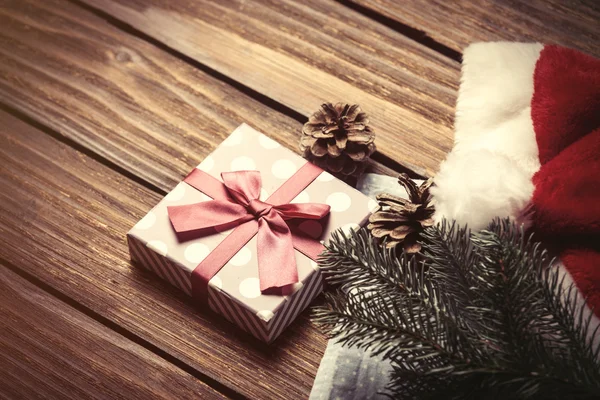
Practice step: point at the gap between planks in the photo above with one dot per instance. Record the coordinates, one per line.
(67, 218)
(72, 143)
(130, 30)
(456, 24)
(36, 318)
(81, 148)
(408, 89)
(411, 32)
(388, 166)
(156, 147)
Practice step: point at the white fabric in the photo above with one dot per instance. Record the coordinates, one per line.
(488, 173)
(567, 281)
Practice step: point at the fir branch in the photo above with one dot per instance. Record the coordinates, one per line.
(359, 266)
(352, 261)
(482, 316)
(513, 293)
(377, 328)
(570, 329)
(547, 319)
(454, 265)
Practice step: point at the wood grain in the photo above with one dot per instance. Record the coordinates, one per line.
(122, 98)
(304, 53)
(51, 350)
(63, 220)
(456, 24)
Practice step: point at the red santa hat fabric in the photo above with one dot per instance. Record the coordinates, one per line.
(527, 143)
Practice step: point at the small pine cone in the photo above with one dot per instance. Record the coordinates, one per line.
(399, 220)
(338, 139)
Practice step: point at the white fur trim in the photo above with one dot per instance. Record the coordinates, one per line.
(489, 171)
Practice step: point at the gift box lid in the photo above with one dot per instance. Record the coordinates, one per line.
(247, 149)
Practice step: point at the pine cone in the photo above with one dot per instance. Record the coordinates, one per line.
(338, 139)
(400, 220)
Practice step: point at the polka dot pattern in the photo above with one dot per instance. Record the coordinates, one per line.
(216, 282)
(234, 139)
(264, 195)
(177, 193)
(339, 201)
(238, 279)
(325, 177)
(311, 227)
(242, 257)
(283, 168)
(203, 197)
(243, 163)
(147, 222)
(207, 165)
(267, 143)
(302, 197)
(265, 315)
(158, 246)
(250, 288)
(196, 252)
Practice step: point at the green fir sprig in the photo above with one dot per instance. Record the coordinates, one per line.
(481, 315)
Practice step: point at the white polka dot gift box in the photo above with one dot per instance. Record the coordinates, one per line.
(242, 232)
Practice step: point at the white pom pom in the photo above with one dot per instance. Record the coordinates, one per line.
(476, 186)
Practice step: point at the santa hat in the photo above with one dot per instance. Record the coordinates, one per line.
(527, 144)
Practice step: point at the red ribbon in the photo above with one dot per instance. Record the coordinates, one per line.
(236, 203)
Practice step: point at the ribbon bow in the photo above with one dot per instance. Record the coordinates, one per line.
(236, 202)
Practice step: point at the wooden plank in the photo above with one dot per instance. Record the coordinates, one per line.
(63, 220)
(51, 350)
(123, 98)
(574, 23)
(304, 53)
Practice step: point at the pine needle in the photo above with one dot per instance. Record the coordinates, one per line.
(476, 315)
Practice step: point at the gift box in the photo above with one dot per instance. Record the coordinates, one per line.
(230, 233)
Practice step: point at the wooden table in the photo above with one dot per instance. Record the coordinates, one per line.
(106, 104)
